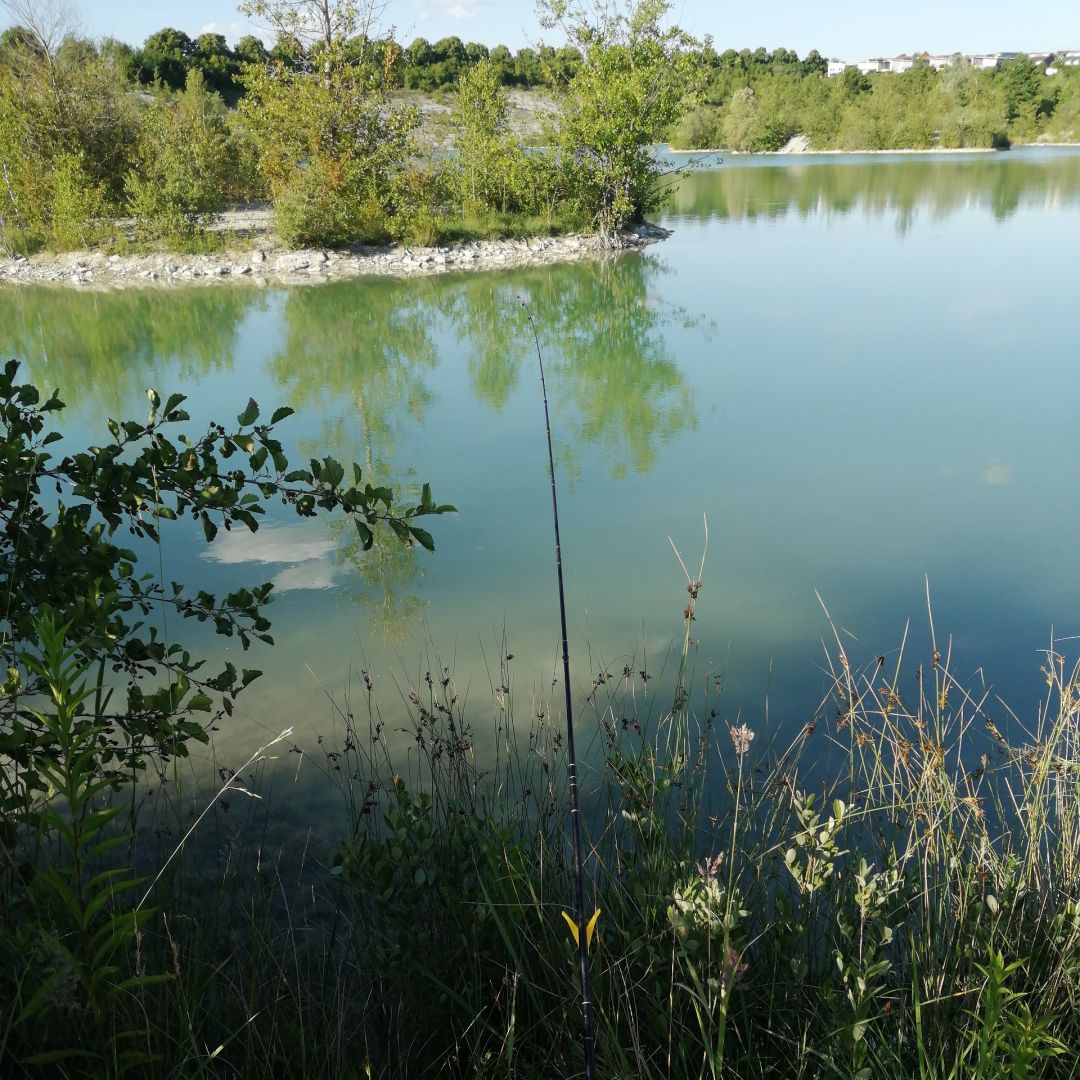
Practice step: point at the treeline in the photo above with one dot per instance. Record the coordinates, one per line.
(319, 130)
(107, 145)
(757, 102)
(754, 100)
(167, 57)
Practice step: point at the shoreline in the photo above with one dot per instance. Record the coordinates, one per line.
(267, 265)
(852, 153)
(944, 150)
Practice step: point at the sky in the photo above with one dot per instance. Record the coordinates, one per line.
(845, 29)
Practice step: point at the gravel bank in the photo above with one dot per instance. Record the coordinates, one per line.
(266, 265)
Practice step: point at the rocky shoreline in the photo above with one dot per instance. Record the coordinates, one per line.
(265, 265)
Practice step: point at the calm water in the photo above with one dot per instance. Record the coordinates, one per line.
(863, 371)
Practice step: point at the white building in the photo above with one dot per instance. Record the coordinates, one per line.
(986, 61)
(871, 67)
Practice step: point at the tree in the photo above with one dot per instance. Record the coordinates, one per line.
(330, 146)
(815, 64)
(121, 56)
(250, 50)
(637, 79)
(182, 163)
(449, 49)
(528, 71)
(67, 125)
(475, 52)
(486, 150)
(165, 58)
(1022, 82)
(503, 59)
(219, 65)
(64, 558)
(314, 23)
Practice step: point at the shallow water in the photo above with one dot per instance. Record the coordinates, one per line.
(862, 371)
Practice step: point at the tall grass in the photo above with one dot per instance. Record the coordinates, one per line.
(913, 914)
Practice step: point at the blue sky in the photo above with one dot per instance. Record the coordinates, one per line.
(847, 29)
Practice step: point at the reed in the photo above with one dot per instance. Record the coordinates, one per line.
(913, 913)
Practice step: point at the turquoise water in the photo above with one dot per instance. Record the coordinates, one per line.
(861, 371)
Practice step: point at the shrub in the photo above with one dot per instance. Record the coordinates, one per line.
(183, 160)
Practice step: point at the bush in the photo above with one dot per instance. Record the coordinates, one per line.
(322, 206)
(183, 160)
(330, 146)
(698, 130)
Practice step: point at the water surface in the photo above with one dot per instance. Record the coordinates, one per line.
(861, 371)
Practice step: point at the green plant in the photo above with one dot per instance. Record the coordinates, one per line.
(70, 958)
(636, 80)
(67, 557)
(183, 160)
(330, 144)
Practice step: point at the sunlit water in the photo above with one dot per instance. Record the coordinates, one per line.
(863, 372)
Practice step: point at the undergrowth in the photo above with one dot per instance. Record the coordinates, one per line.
(915, 914)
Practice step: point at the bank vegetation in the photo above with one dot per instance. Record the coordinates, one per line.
(317, 130)
(893, 890)
(107, 146)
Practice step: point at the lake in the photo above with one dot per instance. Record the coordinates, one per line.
(860, 370)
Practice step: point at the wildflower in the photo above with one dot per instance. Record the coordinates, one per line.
(741, 736)
(710, 868)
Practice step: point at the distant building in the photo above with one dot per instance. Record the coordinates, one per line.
(986, 61)
(871, 67)
(1052, 62)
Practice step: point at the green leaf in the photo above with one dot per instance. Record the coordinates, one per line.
(201, 702)
(209, 528)
(281, 413)
(250, 414)
(50, 1057)
(423, 538)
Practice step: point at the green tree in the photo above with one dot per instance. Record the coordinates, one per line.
(121, 56)
(486, 151)
(219, 65)
(475, 52)
(815, 64)
(1021, 80)
(165, 58)
(503, 59)
(182, 164)
(330, 147)
(637, 79)
(528, 70)
(66, 555)
(67, 127)
(250, 50)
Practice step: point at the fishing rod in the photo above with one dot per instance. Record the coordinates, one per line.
(581, 931)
